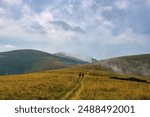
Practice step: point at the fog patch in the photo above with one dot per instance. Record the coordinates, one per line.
(128, 66)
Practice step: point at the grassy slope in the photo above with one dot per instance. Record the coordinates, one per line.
(27, 61)
(137, 64)
(65, 84)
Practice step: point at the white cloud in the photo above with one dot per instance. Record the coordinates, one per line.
(107, 8)
(121, 4)
(44, 17)
(87, 3)
(59, 36)
(107, 23)
(128, 36)
(26, 10)
(9, 3)
(7, 47)
(1, 23)
(36, 22)
(69, 8)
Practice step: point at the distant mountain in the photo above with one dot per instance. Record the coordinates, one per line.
(93, 60)
(136, 64)
(26, 61)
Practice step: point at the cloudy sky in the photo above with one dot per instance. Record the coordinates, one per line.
(93, 28)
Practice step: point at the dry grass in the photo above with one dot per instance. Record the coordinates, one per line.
(102, 87)
(65, 84)
(36, 86)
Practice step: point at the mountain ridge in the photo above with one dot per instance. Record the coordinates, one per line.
(132, 64)
(28, 60)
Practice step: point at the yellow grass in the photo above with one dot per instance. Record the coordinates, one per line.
(66, 84)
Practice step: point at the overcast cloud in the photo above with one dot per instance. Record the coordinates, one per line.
(94, 28)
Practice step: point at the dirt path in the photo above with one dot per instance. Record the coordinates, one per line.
(74, 93)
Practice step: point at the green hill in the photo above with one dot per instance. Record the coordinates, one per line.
(136, 64)
(26, 61)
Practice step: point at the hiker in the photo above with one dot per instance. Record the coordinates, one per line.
(80, 74)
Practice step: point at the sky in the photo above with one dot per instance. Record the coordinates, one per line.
(92, 28)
